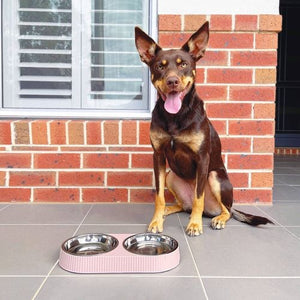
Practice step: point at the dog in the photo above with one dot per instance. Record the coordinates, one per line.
(182, 135)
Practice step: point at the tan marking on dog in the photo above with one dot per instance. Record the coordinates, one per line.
(158, 137)
(194, 72)
(164, 62)
(152, 77)
(179, 60)
(193, 141)
(219, 221)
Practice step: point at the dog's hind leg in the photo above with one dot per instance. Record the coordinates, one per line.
(183, 192)
(221, 189)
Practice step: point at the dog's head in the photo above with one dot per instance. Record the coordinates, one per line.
(172, 71)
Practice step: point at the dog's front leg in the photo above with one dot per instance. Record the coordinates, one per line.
(195, 227)
(159, 162)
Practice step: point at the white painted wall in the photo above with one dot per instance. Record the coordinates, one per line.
(209, 7)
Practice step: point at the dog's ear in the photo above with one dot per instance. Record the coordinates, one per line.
(196, 45)
(145, 45)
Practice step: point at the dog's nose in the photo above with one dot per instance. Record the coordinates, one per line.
(172, 82)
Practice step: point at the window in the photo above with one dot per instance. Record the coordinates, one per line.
(75, 56)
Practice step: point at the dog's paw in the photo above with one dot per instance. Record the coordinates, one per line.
(218, 222)
(155, 226)
(194, 229)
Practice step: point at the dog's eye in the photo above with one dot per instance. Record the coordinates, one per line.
(160, 67)
(183, 65)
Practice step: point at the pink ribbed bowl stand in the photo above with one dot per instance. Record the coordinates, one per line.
(119, 260)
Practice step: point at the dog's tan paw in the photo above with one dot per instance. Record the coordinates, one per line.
(194, 229)
(156, 226)
(218, 222)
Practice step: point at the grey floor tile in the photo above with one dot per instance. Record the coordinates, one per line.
(19, 288)
(291, 180)
(287, 214)
(141, 288)
(44, 214)
(295, 231)
(286, 193)
(247, 251)
(31, 250)
(120, 214)
(250, 289)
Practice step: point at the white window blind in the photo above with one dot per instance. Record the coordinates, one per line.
(74, 54)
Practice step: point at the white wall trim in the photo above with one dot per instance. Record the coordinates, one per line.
(209, 7)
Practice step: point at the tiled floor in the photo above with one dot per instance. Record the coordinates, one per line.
(239, 262)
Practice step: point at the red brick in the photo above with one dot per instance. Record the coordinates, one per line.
(263, 179)
(15, 160)
(169, 22)
(239, 180)
(219, 125)
(230, 144)
(104, 195)
(193, 22)
(142, 160)
(212, 92)
(228, 110)
(32, 178)
(231, 40)
(229, 75)
(144, 131)
(56, 195)
(81, 178)
(58, 132)
(56, 160)
(266, 41)
(129, 133)
(148, 196)
(265, 75)
(214, 58)
(34, 148)
(105, 160)
(252, 196)
(251, 127)
(253, 58)
(39, 132)
(5, 133)
(130, 149)
(75, 131)
(2, 178)
(82, 149)
(270, 23)
(246, 22)
(15, 195)
(173, 40)
(111, 132)
(264, 111)
(246, 161)
(252, 93)
(263, 145)
(200, 75)
(129, 178)
(21, 129)
(93, 132)
(220, 22)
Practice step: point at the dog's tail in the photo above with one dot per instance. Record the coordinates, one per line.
(249, 219)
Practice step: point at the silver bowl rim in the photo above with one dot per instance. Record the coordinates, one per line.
(152, 234)
(76, 237)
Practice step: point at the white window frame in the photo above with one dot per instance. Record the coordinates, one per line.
(86, 113)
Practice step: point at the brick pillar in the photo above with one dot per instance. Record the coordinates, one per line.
(236, 79)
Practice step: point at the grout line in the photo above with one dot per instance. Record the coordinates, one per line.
(282, 226)
(195, 265)
(51, 270)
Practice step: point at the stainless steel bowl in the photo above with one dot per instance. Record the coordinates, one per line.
(150, 244)
(90, 244)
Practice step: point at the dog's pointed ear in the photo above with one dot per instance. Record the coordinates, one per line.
(197, 43)
(145, 45)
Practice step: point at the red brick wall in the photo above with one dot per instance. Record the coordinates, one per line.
(111, 160)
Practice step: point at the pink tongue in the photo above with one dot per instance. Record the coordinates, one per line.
(173, 103)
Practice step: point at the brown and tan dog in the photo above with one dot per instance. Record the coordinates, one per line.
(182, 134)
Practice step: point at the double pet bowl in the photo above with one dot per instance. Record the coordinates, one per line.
(119, 253)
